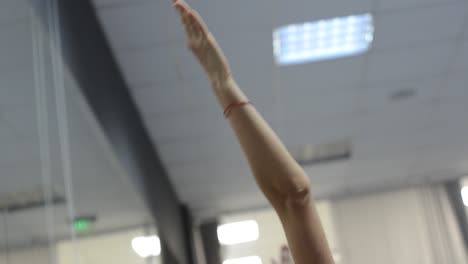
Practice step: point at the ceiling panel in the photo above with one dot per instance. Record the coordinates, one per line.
(461, 59)
(13, 11)
(465, 33)
(350, 98)
(187, 125)
(113, 3)
(329, 127)
(318, 104)
(226, 17)
(15, 46)
(409, 63)
(408, 4)
(329, 174)
(322, 76)
(409, 26)
(139, 24)
(148, 66)
(205, 148)
(16, 88)
(179, 97)
(301, 11)
(224, 169)
(380, 96)
(455, 89)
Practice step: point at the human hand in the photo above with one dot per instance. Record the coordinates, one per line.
(203, 45)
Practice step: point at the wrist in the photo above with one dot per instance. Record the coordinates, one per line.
(229, 92)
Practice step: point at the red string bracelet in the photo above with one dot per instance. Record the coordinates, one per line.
(228, 109)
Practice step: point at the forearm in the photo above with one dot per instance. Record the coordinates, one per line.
(277, 173)
(279, 177)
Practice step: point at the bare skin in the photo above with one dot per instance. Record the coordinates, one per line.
(278, 175)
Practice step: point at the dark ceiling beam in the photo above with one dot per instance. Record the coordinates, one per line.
(88, 55)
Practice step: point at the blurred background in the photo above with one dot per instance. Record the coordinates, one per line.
(114, 150)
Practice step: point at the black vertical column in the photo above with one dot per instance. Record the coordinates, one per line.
(453, 189)
(89, 58)
(189, 236)
(211, 245)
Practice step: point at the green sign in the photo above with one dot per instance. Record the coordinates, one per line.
(81, 225)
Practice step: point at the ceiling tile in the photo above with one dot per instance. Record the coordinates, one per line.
(222, 16)
(148, 66)
(115, 3)
(313, 106)
(15, 46)
(13, 10)
(17, 89)
(221, 173)
(465, 34)
(418, 26)
(329, 174)
(461, 60)
(187, 125)
(209, 147)
(320, 76)
(175, 98)
(296, 132)
(379, 96)
(398, 132)
(409, 63)
(301, 11)
(140, 24)
(406, 4)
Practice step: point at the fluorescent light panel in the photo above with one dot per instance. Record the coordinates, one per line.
(149, 246)
(244, 260)
(324, 39)
(238, 232)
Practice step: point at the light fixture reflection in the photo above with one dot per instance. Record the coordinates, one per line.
(149, 246)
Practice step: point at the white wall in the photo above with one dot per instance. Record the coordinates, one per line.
(37, 255)
(272, 237)
(404, 227)
(110, 248)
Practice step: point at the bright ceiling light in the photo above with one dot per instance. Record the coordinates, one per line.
(149, 246)
(464, 194)
(237, 233)
(244, 260)
(324, 39)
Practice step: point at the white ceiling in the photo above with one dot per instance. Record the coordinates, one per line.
(419, 44)
(99, 185)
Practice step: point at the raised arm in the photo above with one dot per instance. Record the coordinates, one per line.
(278, 175)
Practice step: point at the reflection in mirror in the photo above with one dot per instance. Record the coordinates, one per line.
(63, 196)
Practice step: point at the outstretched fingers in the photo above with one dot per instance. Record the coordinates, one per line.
(190, 18)
(198, 22)
(184, 13)
(199, 34)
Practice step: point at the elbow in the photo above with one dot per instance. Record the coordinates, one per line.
(287, 189)
(294, 194)
(298, 197)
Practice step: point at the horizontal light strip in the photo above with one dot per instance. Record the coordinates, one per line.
(324, 39)
(149, 246)
(238, 232)
(464, 194)
(244, 260)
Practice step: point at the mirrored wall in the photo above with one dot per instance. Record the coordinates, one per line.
(64, 197)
